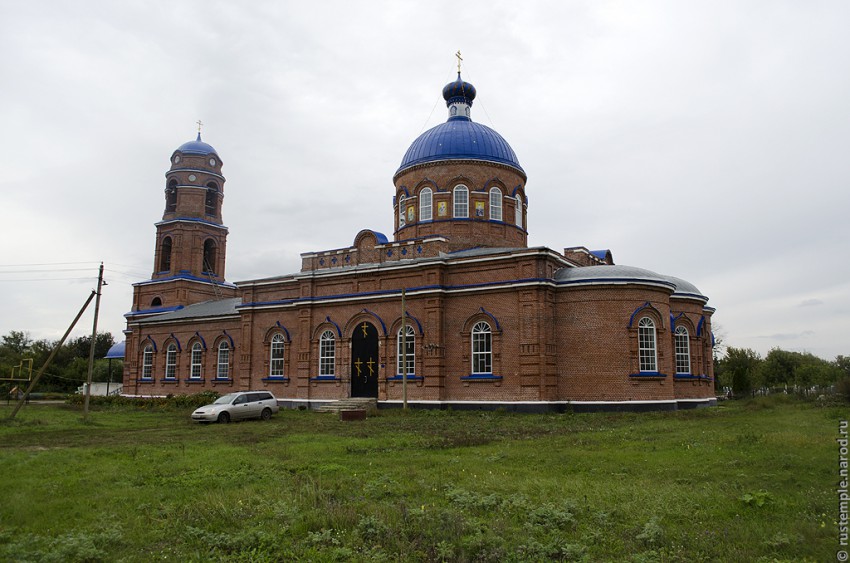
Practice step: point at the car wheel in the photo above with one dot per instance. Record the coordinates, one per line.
(266, 414)
(224, 418)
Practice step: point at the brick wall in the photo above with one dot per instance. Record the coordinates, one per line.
(550, 343)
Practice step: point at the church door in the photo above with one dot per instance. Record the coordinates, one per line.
(364, 361)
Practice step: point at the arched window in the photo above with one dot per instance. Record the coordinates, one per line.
(461, 201)
(223, 364)
(171, 361)
(410, 346)
(276, 356)
(156, 302)
(495, 204)
(165, 255)
(683, 350)
(327, 353)
(211, 201)
(196, 363)
(482, 349)
(646, 345)
(401, 221)
(425, 207)
(209, 256)
(518, 211)
(147, 362)
(171, 197)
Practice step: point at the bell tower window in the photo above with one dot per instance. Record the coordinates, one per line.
(209, 256)
(171, 197)
(211, 201)
(165, 255)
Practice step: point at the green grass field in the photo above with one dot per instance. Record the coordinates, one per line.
(746, 481)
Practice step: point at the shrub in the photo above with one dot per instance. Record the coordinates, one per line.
(652, 533)
(179, 402)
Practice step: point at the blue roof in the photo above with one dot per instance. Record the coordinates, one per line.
(601, 254)
(116, 351)
(196, 147)
(460, 139)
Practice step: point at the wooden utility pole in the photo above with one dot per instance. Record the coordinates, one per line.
(403, 352)
(56, 349)
(93, 341)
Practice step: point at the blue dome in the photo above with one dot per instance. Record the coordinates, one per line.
(196, 147)
(460, 140)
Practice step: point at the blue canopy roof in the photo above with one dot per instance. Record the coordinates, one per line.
(116, 352)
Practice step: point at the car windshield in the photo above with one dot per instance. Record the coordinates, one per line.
(225, 400)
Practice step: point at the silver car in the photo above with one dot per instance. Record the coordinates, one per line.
(237, 406)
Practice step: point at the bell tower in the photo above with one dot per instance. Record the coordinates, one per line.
(191, 239)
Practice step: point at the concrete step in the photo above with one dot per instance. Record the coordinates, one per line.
(350, 404)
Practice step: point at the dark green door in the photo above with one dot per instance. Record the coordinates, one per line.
(364, 361)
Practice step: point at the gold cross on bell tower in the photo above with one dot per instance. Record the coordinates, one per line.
(459, 58)
(200, 123)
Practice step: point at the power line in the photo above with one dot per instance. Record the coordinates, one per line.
(427, 119)
(93, 262)
(127, 273)
(45, 271)
(89, 278)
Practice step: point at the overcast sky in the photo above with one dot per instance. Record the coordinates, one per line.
(704, 140)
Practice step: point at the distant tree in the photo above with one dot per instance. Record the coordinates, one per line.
(779, 367)
(843, 363)
(15, 346)
(69, 367)
(79, 347)
(738, 369)
(842, 384)
(814, 371)
(17, 342)
(719, 348)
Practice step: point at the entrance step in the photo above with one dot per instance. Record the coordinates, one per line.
(351, 404)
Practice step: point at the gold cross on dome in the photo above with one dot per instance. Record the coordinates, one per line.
(459, 58)
(200, 123)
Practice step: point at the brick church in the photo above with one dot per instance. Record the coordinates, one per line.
(456, 308)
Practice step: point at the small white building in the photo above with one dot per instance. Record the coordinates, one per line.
(101, 389)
